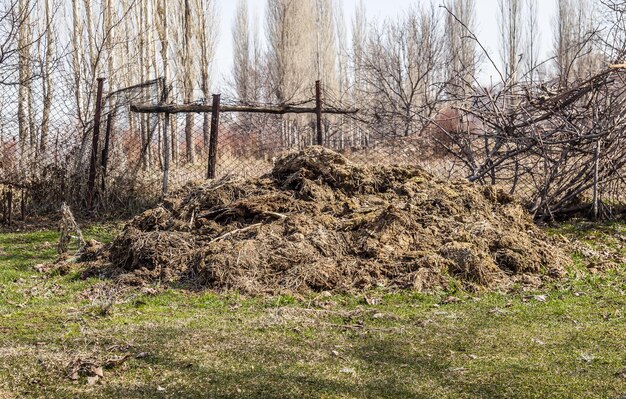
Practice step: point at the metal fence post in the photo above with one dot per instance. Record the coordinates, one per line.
(318, 112)
(91, 184)
(595, 206)
(166, 152)
(104, 162)
(166, 139)
(23, 207)
(9, 205)
(3, 206)
(215, 122)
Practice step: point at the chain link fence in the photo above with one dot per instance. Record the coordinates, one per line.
(249, 142)
(116, 163)
(46, 148)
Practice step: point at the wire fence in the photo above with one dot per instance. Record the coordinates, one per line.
(250, 141)
(46, 147)
(112, 159)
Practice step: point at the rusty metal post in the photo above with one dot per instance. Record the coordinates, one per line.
(166, 139)
(23, 208)
(166, 152)
(9, 205)
(318, 112)
(3, 206)
(104, 161)
(215, 123)
(595, 207)
(91, 183)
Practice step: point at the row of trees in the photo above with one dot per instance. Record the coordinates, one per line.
(555, 125)
(402, 62)
(400, 72)
(54, 50)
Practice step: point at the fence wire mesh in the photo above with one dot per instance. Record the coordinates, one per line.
(47, 147)
(249, 143)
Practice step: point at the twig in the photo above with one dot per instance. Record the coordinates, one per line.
(230, 233)
(275, 214)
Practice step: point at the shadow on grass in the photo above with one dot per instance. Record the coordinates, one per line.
(276, 378)
(23, 260)
(28, 238)
(218, 360)
(385, 366)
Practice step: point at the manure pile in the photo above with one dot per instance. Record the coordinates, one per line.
(318, 222)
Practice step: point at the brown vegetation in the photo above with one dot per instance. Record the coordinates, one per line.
(319, 222)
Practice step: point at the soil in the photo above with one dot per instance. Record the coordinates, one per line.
(318, 222)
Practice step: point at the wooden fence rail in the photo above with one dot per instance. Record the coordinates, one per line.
(200, 108)
(216, 108)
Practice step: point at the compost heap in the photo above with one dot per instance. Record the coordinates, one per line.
(318, 222)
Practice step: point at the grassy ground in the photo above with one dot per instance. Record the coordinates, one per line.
(566, 341)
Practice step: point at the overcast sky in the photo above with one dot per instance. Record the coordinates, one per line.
(486, 17)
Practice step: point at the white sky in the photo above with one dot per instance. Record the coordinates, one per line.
(486, 18)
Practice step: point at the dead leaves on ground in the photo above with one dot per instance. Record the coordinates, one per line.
(92, 369)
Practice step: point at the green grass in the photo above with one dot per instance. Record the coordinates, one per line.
(570, 344)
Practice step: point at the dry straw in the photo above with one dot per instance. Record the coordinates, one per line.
(319, 222)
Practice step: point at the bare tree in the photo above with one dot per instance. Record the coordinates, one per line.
(342, 50)
(24, 41)
(326, 61)
(291, 41)
(590, 61)
(359, 43)
(345, 136)
(207, 39)
(575, 39)
(404, 68)
(10, 21)
(531, 42)
(510, 25)
(163, 30)
(326, 46)
(242, 62)
(291, 60)
(47, 81)
(360, 137)
(613, 41)
(259, 80)
(460, 50)
(188, 73)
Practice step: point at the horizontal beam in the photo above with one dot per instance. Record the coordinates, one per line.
(278, 110)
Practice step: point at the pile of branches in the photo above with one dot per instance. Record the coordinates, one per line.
(566, 144)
